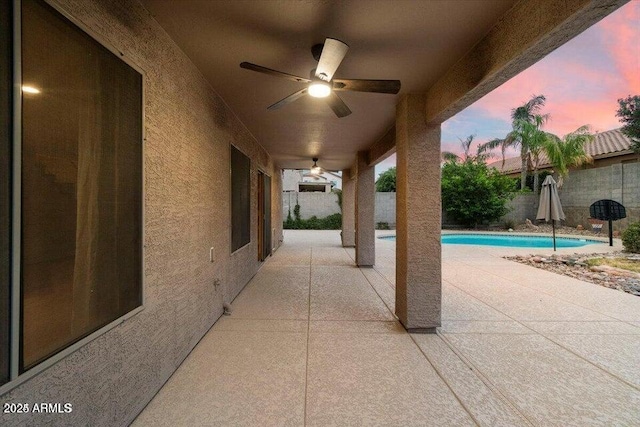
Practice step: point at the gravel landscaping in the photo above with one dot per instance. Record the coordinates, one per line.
(577, 266)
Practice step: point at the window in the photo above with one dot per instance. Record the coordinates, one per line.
(6, 85)
(81, 200)
(240, 199)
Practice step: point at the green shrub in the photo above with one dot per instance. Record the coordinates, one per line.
(473, 194)
(386, 182)
(631, 238)
(288, 223)
(297, 219)
(382, 226)
(509, 223)
(332, 222)
(312, 223)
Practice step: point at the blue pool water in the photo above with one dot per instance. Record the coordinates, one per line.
(513, 241)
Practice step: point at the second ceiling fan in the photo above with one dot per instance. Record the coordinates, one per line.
(321, 83)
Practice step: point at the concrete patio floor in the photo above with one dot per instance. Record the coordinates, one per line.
(312, 340)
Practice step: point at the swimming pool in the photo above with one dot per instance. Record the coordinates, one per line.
(510, 240)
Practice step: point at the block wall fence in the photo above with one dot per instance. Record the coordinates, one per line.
(619, 182)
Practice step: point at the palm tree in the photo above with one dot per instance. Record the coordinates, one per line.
(449, 156)
(569, 151)
(523, 114)
(535, 139)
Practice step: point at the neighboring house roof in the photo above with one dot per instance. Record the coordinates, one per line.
(606, 144)
(314, 176)
(323, 175)
(333, 174)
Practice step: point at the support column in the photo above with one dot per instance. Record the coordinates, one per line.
(418, 216)
(365, 210)
(348, 209)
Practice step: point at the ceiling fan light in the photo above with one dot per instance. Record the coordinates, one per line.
(315, 169)
(30, 89)
(319, 89)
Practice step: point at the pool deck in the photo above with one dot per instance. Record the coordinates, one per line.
(312, 340)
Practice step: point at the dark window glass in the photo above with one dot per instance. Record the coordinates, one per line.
(240, 199)
(266, 240)
(6, 84)
(81, 184)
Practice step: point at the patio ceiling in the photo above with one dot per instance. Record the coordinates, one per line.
(413, 41)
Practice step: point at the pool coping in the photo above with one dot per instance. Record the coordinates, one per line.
(516, 233)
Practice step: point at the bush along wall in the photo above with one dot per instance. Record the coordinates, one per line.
(331, 222)
(631, 238)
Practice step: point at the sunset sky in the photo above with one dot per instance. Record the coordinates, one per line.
(581, 80)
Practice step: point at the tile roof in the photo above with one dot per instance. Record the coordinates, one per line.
(611, 141)
(606, 144)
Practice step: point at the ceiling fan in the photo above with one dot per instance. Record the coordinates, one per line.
(321, 83)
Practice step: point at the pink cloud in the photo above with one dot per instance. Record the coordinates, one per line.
(581, 80)
(622, 31)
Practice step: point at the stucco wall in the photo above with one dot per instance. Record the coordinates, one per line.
(290, 179)
(188, 133)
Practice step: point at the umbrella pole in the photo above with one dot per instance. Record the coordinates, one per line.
(553, 224)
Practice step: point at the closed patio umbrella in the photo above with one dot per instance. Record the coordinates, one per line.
(550, 208)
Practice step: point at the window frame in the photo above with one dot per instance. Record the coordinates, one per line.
(15, 377)
(7, 174)
(231, 216)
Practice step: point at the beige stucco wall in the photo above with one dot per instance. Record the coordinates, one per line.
(188, 133)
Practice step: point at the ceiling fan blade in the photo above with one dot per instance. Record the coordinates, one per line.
(337, 105)
(274, 73)
(378, 86)
(333, 53)
(288, 100)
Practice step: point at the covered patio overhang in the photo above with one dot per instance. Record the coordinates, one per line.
(446, 54)
(115, 263)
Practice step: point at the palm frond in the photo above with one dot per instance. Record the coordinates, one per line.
(466, 146)
(448, 156)
(531, 107)
(569, 151)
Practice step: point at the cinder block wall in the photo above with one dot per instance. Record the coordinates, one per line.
(325, 204)
(311, 204)
(188, 133)
(386, 208)
(522, 206)
(619, 182)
